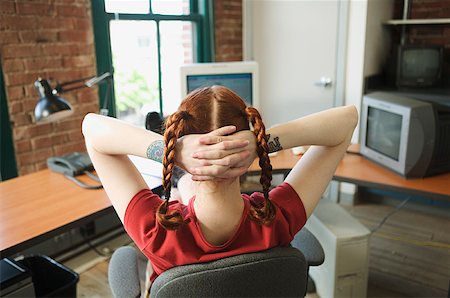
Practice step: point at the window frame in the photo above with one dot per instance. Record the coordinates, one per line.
(8, 165)
(201, 15)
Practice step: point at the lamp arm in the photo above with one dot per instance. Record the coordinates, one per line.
(87, 82)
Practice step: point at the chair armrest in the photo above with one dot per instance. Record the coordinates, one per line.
(308, 244)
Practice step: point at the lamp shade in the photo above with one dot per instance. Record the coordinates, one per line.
(50, 107)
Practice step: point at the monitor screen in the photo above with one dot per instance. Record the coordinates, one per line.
(241, 83)
(384, 132)
(239, 76)
(420, 63)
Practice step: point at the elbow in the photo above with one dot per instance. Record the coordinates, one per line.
(352, 117)
(87, 125)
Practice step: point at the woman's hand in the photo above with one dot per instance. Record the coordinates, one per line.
(224, 156)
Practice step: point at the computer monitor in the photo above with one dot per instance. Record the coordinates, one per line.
(241, 77)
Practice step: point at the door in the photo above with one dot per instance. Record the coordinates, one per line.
(295, 45)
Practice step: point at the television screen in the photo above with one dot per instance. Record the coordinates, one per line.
(419, 66)
(241, 83)
(384, 132)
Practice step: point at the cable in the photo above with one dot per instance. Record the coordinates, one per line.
(399, 206)
(403, 239)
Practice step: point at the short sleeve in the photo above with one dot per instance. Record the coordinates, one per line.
(290, 206)
(140, 220)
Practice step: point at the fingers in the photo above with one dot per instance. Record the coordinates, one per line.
(223, 131)
(230, 173)
(217, 153)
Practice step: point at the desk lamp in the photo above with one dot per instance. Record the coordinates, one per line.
(52, 107)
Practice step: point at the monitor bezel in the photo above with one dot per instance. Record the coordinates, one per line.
(220, 68)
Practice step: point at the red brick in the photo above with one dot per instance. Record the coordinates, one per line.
(8, 37)
(41, 165)
(78, 61)
(20, 78)
(16, 22)
(38, 36)
(29, 104)
(72, 10)
(26, 169)
(20, 119)
(10, 65)
(71, 147)
(39, 129)
(34, 156)
(14, 93)
(74, 36)
(41, 142)
(23, 146)
(60, 138)
(7, 7)
(45, 62)
(68, 124)
(29, 8)
(21, 50)
(15, 107)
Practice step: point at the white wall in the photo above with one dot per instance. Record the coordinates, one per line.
(378, 40)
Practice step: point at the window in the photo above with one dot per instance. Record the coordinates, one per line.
(145, 42)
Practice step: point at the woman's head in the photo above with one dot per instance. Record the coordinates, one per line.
(204, 110)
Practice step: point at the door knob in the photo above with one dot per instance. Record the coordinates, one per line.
(324, 82)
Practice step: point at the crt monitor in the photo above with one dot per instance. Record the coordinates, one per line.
(419, 66)
(405, 134)
(241, 77)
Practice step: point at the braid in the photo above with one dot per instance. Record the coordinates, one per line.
(174, 128)
(266, 213)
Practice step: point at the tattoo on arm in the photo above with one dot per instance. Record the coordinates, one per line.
(274, 145)
(155, 151)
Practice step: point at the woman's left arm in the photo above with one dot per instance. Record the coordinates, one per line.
(109, 141)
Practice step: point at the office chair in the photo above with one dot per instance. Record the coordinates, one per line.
(277, 272)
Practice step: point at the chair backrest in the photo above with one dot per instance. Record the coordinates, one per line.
(278, 272)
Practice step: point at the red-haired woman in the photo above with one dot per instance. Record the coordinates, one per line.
(215, 137)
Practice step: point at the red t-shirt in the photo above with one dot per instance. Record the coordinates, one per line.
(186, 245)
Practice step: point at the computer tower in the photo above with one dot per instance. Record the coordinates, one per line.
(345, 242)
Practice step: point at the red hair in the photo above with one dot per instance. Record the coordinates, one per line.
(202, 111)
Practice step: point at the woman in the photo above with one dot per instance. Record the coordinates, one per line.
(209, 136)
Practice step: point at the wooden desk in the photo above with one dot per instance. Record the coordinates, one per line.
(38, 206)
(360, 171)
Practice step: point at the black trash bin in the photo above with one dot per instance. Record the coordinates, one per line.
(50, 278)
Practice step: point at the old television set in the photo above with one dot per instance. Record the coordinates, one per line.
(241, 77)
(405, 134)
(419, 66)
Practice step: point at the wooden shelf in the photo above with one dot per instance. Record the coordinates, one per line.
(418, 22)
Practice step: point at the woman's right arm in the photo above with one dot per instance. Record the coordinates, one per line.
(329, 133)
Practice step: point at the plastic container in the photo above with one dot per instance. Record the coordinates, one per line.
(50, 278)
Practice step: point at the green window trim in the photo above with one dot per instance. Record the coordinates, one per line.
(201, 14)
(8, 166)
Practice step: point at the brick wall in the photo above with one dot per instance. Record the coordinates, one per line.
(428, 34)
(49, 39)
(53, 39)
(228, 30)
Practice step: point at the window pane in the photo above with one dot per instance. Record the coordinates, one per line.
(135, 60)
(174, 7)
(176, 50)
(127, 6)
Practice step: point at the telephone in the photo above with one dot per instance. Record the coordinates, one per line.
(74, 164)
